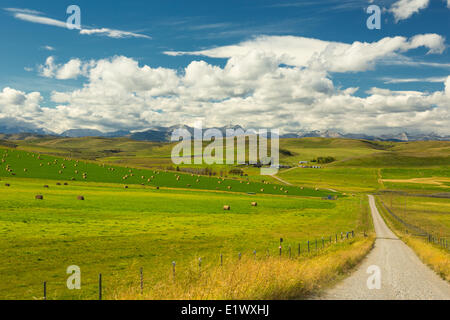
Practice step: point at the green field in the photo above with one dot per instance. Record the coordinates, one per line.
(24, 164)
(164, 216)
(115, 228)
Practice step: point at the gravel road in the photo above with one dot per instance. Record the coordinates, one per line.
(403, 275)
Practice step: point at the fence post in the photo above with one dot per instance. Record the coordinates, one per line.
(239, 255)
(221, 260)
(45, 290)
(299, 249)
(341, 235)
(173, 269)
(316, 244)
(254, 253)
(323, 243)
(142, 280)
(290, 254)
(308, 246)
(336, 237)
(199, 264)
(100, 286)
(353, 233)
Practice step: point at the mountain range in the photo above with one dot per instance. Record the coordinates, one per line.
(163, 134)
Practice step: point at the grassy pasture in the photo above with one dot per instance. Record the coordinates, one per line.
(342, 179)
(115, 229)
(430, 214)
(31, 165)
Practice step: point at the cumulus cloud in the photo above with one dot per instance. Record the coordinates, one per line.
(69, 70)
(37, 17)
(403, 9)
(324, 55)
(255, 88)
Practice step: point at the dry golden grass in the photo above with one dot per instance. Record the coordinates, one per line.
(436, 258)
(255, 279)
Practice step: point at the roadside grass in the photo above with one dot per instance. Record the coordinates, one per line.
(434, 256)
(255, 278)
(114, 228)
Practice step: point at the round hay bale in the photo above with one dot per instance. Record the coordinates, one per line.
(7, 185)
(58, 183)
(229, 187)
(157, 188)
(126, 187)
(66, 184)
(25, 170)
(188, 185)
(254, 204)
(227, 208)
(73, 179)
(262, 190)
(80, 198)
(39, 197)
(46, 186)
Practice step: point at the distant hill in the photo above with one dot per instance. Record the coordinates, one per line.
(19, 131)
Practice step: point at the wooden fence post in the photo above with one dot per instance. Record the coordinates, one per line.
(45, 290)
(100, 286)
(308, 246)
(142, 280)
(173, 269)
(299, 251)
(221, 260)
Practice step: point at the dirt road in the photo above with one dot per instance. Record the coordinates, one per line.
(403, 275)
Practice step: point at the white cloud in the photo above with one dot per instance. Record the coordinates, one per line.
(113, 33)
(70, 70)
(36, 17)
(403, 9)
(49, 48)
(324, 55)
(255, 88)
(407, 80)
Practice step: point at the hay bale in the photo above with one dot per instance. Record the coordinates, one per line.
(254, 204)
(46, 186)
(188, 185)
(157, 188)
(229, 187)
(227, 208)
(80, 198)
(58, 183)
(262, 190)
(39, 197)
(126, 187)
(7, 185)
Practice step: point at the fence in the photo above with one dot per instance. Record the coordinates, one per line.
(303, 248)
(417, 231)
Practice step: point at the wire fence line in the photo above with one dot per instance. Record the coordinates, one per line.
(417, 231)
(303, 248)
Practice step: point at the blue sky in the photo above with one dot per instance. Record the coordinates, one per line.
(158, 27)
